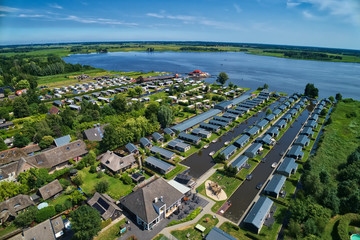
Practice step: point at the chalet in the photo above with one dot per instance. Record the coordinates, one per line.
(295, 152)
(50, 190)
(287, 167)
(69, 101)
(280, 124)
(257, 215)
(266, 140)
(160, 165)
(190, 138)
(262, 124)
(287, 117)
(57, 103)
(228, 151)
(273, 131)
(276, 112)
(74, 107)
(308, 131)
(201, 132)
(54, 110)
(222, 119)
(210, 127)
(242, 141)
(87, 97)
(116, 164)
(105, 205)
(103, 99)
(293, 112)
(314, 117)
(132, 148)
(218, 234)
(169, 131)
(145, 143)
(152, 203)
(274, 186)
(240, 162)
(311, 123)
(218, 123)
(230, 115)
(163, 152)
(223, 105)
(254, 130)
(270, 117)
(158, 137)
(302, 140)
(96, 94)
(235, 112)
(253, 150)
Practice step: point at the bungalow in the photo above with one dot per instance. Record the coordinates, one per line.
(145, 143)
(242, 141)
(274, 186)
(50, 190)
(74, 107)
(179, 145)
(240, 162)
(87, 97)
(137, 177)
(236, 112)
(190, 138)
(287, 117)
(158, 137)
(69, 101)
(223, 105)
(287, 167)
(49, 230)
(265, 139)
(262, 124)
(230, 115)
(159, 165)
(228, 151)
(222, 119)
(308, 131)
(295, 152)
(116, 164)
(201, 132)
(152, 203)
(57, 95)
(96, 94)
(105, 205)
(78, 99)
(96, 133)
(54, 110)
(57, 103)
(243, 108)
(280, 124)
(302, 140)
(297, 107)
(276, 112)
(253, 150)
(257, 215)
(254, 130)
(218, 234)
(270, 117)
(169, 131)
(218, 123)
(132, 148)
(265, 92)
(11, 207)
(210, 127)
(273, 131)
(163, 152)
(282, 107)
(314, 117)
(311, 123)
(293, 112)
(104, 99)
(287, 104)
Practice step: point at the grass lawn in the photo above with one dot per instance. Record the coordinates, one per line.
(234, 231)
(178, 169)
(111, 233)
(243, 172)
(7, 230)
(160, 237)
(117, 188)
(59, 200)
(330, 230)
(206, 221)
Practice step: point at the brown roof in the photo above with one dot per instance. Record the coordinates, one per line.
(104, 204)
(115, 163)
(16, 204)
(42, 231)
(58, 155)
(11, 155)
(50, 189)
(31, 148)
(141, 201)
(7, 169)
(54, 110)
(57, 224)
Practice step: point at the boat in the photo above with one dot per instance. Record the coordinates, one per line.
(206, 146)
(274, 165)
(227, 143)
(214, 141)
(212, 153)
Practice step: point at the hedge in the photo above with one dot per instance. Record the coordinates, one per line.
(344, 222)
(190, 217)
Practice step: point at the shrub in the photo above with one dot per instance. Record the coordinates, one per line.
(190, 217)
(126, 179)
(78, 180)
(26, 218)
(64, 182)
(68, 204)
(102, 186)
(92, 169)
(100, 174)
(344, 222)
(59, 208)
(45, 213)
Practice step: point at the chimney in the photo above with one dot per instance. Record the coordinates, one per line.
(162, 199)
(156, 199)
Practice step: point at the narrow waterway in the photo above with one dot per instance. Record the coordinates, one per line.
(244, 195)
(201, 162)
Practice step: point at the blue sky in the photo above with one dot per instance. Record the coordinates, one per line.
(324, 23)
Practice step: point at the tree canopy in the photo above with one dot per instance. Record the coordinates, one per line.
(311, 91)
(165, 116)
(85, 222)
(222, 78)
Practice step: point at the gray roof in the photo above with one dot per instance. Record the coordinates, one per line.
(223, 104)
(145, 142)
(228, 150)
(61, 141)
(157, 136)
(252, 131)
(104, 204)
(273, 130)
(16, 204)
(280, 122)
(178, 143)
(163, 152)
(254, 147)
(196, 120)
(295, 150)
(230, 115)
(262, 123)
(219, 123)
(242, 139)
(222, 119)
(169, 131)
(287, 116)
(275, 184)
(218, 234)
(270, 117)
(42, 231)
(159, 163)
(209, 126)
(307, 130)
(131, 147)
(199, 130)
(302, 140)
(265, 139)
(237, 100)
(95, 133)
(57, 224)
(189, 137)
(287, 165)
(233, 111)
(115, 163)
(239, 162)
(311, 123)
(50, 189)
(258, 212)
(314, 117)
(276, 111)
(141, 201)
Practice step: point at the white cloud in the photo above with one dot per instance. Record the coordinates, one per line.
(31, 16)
(308, 14)
(291, 4)
(97, 21)
(8, 9)
(2, 15)
(155, 15)
(55, 5)
(237, 8)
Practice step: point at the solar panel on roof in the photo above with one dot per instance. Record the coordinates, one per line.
(103, 203)
(99, 208)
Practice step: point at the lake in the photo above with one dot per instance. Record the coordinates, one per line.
(244, 70)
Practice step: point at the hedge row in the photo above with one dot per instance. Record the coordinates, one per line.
(344, 222)
(190, 217)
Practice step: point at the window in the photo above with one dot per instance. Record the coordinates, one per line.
(68, 148)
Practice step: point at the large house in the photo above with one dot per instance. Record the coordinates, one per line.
(152, 203)
(47, 230)
(50, 190)
(12, 207)
(115, 163)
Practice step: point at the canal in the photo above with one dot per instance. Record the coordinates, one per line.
(244, 195)
(201, 162)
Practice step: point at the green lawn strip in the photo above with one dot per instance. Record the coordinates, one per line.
(271, 232)
(330, 231)
(112, 232)
(59, 200)
(160, 237)
(189, 217)
(117, 188)
(178, 169)
(206, 221)
(244, 172)
(238, 233)
(8, 230)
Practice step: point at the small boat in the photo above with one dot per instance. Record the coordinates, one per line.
(206, 146)
(214, 141)
(212, 153)
(274, 165)
(227, 143)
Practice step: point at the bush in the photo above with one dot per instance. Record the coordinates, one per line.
(77, 180)
(126, 179)
(26, 218)
(59, 208)
(190, 217)
(102, 186)
(68, 204)
(100, 174)
(344, 222)
(92, 169)
(64, 182)
(45, 213)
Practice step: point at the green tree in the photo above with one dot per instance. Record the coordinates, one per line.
(152, 109)
(222, 78)
(22, 84)
(119, 103)
(85, 222)
(24, 219)
(46, 141)
(131, 92)
(76, 197)
(21, 108)
(266, 86)
(102, 186)
(45, 213)
(331, 98)
(138, 90)
(20, 140)
(165, 116)
(338, 97)
(2, 144)
(126, 178)
(268, 111)
(311, 91)
(110, 140)
(77, 180)
(4, 113)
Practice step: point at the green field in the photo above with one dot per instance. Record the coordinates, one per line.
(111, 233)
